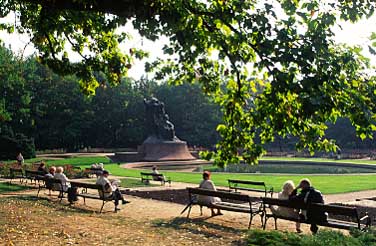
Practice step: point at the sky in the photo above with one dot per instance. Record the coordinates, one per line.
(352, 34)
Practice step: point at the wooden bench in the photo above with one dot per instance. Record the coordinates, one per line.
(50, 184)
(85, 187)
(147, 177)
(93, 171)
(32, 176)
(346, 217)
(16, 173)
(247, 185)
(235, 202)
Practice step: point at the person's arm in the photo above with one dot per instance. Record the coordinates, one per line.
(294, 195)
(212, 186)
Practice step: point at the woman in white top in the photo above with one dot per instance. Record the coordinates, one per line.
(287, 189)
(60, 175)
(206, 183)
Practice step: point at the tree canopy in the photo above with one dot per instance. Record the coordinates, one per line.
(272, 66)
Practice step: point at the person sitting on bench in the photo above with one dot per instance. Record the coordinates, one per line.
(157, 178)
(42, 168)
(51, 172)
(308, 194)
(64, 180)
(287, 189)
(206, 183)
(110, 189)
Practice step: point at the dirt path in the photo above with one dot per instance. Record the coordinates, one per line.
(27, 220)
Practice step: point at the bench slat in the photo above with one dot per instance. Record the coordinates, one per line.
(86, 185)
(221, 194)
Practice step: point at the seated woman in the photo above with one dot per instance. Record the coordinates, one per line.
(206, 183)
(60, 175)
(287, 189)
(42, 168)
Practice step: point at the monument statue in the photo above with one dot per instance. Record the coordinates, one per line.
(157, 121)
(161, 143)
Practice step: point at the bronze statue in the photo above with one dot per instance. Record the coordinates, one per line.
(157, 121)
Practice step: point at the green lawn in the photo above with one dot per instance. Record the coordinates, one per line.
(75, 161)
(5, 187)
(328, 184)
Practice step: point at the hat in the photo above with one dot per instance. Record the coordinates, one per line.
(105, 172)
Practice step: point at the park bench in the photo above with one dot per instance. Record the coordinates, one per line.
(344, 217)
(93, 171)
(84, 193)
(50, 184)
(33, 176)
(16, 173)
(247, 185)
(147, 177)
(234, 202)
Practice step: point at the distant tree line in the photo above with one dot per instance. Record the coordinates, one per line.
(50, 110)
(40, 107)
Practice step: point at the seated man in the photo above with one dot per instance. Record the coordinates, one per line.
(110, 189)
(157, 178)
(308, 194)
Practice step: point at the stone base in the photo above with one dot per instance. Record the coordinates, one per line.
(166, 151)
(121, 157)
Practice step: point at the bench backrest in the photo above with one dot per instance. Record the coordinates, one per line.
(335, 209)
(53, 183)
(220, 194)
(283, 203)
(323, 208)
(87, 185)
(151, 174)
(257, 186)
(32, 173)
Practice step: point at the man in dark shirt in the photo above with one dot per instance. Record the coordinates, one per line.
(308, 195)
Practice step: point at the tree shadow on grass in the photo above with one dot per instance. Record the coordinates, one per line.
(201, 226)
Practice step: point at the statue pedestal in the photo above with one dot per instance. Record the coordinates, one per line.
(165, 151)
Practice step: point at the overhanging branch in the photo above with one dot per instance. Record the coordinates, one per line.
(121, 8)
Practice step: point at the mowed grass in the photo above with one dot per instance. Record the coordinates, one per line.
(83, 161)
(328, 184)
(6, 187)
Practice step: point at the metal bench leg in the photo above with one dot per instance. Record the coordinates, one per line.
(250, 221)
(275, 223)
(201, 211)
(189, 211)
(261, 218)
(102, 207)
(264, 225)
(39, 188)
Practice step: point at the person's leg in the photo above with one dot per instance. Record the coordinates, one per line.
(116, 200)
(314, 228)
(297, 226)
(120, 196)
